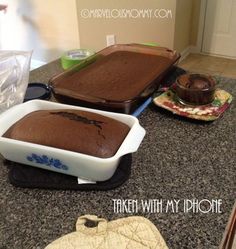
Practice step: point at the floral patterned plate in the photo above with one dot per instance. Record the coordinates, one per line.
(209, 112)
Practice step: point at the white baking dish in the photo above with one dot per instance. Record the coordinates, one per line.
(62, 161)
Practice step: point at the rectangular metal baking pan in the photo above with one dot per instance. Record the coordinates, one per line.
(127, 106)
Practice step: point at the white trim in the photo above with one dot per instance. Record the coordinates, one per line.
(201, 27)
(185, 53)
(219, 55)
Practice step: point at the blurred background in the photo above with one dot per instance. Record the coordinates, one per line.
(51, 27)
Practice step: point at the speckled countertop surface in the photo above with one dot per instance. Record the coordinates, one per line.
(178, 159)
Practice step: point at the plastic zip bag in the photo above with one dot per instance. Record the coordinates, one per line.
(14, 77)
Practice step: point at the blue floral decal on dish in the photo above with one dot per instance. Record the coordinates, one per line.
(48, 161)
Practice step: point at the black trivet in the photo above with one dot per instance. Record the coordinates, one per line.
(30, 177)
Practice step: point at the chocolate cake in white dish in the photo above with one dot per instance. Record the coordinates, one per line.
(78, 131)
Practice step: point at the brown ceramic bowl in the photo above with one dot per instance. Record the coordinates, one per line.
(195, 89)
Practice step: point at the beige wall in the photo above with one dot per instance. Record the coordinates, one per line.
(48, 27)
(183, 21)
(93, 31)
(195, 21)
(56, 26)
(179, 32)
(186, 24)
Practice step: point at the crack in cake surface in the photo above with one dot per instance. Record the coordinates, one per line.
(75, 117)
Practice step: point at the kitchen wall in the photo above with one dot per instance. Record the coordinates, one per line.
(51, 27)
(183, 24)
(47, 27)
(195, 21)
(186, 24)
(93, 31)
(178, 32)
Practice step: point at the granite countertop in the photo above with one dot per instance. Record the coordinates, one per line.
(178, 159)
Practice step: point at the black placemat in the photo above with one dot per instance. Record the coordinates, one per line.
(30, 177)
